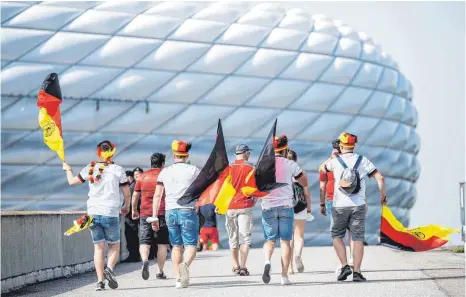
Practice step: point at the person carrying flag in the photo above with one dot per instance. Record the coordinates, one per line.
(238, 220)
(278, 211)
(105, 180)
(145, 189)
(182, 220)
(349, 209)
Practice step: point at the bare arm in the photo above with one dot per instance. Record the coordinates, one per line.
(302, 180)
(72, 180)
(381, 183)
(322, 168)
(157, 198)
(134, 204)
(127, 196)
(323, 188)
(307, 194)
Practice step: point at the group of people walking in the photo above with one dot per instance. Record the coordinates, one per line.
(284, 210)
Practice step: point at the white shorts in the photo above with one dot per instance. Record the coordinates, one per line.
(302, 215)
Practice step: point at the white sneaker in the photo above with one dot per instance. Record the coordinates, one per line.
(299, 264)
(178, 284)
(184, 275)
(338, 270)
(285, 281)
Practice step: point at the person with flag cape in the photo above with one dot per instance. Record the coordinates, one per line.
(48, 101)
(393, 234)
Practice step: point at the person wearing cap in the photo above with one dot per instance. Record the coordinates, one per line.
(238, 220)
(105, 181)
(131, 226)
(349, 209)
(182, 220)
(278, 210)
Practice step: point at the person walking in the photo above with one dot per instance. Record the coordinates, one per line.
(105, 180)
(209, 230)
(131, 227)
(145, 189)
(349, 201)
(238, 220)
(301, 212)
(277, 210)
(182, 220)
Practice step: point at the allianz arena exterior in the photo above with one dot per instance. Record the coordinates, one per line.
(144, 73)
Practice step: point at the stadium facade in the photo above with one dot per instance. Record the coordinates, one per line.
(143, 73)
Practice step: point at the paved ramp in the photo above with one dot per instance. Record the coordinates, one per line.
(389, 273)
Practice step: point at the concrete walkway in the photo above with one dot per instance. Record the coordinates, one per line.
(389, 273)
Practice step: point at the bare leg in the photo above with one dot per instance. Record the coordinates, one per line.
(161, 256)
(299, 236)
(99, 260)
(268, 250)
(291, 269)
(358, 253)
(214, 246)
(144, 251)
(177, 257)
(286, 256)
(234, 256)
(205, 247)
(189, 254)
(113, 254)
(244, 250)
(340, 249)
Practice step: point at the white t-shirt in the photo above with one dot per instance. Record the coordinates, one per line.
(365, 168)
(104, 196)
(285, 171)
(176, 179)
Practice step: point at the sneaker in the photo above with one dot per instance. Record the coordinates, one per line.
(266, 273)
(178, 284)
(345, 272)
(285, 281)
(299, 264)
(357, 277)
(160, 275)
(110, 276)
(145, 270)
(184, 275)
(100, 286)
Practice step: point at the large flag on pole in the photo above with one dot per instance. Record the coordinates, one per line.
(48, 101)
(210, 181)
(395, 235)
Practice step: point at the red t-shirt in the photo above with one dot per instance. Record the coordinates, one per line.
(330, 179)
(146, 186)
(239, 171)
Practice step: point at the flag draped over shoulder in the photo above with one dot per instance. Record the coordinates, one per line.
(48, 101)
(265, 178)
(213, 184)
(394, 234)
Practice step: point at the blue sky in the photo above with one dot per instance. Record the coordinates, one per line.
(427, 40)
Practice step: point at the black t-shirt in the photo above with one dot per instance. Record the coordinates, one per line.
(208, 212)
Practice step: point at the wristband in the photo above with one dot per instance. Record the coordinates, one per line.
(322, 205)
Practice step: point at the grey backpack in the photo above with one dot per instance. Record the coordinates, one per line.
(350, 181)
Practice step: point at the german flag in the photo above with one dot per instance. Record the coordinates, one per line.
(48, 101)
(214, 181)
(395, 235)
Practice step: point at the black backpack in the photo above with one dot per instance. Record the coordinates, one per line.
(299, 202)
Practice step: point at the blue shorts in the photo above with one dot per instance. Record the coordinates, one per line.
(105, 229)
(183, 226)
(278, 223)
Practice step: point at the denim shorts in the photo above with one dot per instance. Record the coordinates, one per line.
(278, 223)
(105, 229)
(183, 226)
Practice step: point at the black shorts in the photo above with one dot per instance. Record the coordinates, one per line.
(147, 235)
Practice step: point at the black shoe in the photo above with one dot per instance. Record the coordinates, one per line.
(145, 270)
(345, 272)
(365, 243)
(160, 276)
(110, 276)
(266, 274)
(357, 277)
(200, 248)
(100, 286)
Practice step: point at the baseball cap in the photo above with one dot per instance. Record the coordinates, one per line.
(242, 148)
(348, 140)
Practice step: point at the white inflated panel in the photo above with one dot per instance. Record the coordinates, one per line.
(348, 48)
(199, 31)
(10, 9)
(296, 22)
(318, 97)
(326, 127)
(221, 14)
(16, 42)
(377, 105)
(267, 63)
(133, 7)
(247, 35)
(389, 81)
(151, 26)
(103, 22)
(383, 133)
(279, 93)
(368, 76)
(43, 17)
(351, 100)
(307, 67)
(261, 18)
(176, 9)
(362, 127)
(186, 87)
(244, 122)
(286, 39)
(396, 109)
(320, 43)
(341, 71)
(291, 123)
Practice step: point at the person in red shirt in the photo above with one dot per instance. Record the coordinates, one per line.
(239, 215)
(145, 188)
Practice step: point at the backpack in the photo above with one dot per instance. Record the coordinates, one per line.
(299, 199)
(350, 181)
